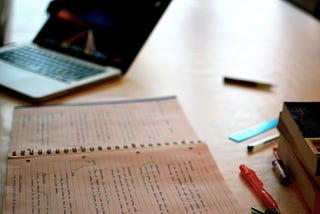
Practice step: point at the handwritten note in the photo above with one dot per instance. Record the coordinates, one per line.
(116, 157)
(169, 179)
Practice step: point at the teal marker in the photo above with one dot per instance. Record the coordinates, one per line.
(254, 130)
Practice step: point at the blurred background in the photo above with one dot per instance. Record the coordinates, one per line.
(20, 19)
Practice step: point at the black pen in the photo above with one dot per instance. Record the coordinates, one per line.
(244, 82)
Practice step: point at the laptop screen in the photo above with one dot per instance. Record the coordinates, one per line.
(109, 32)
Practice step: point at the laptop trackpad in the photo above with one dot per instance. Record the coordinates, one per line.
(28, 83)
(9, 73)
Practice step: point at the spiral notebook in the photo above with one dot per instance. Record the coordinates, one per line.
(133, 156)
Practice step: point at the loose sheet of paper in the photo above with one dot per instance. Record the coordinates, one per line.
(102, 124)
(165, 179)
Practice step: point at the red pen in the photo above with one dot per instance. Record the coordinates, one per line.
(257, 186)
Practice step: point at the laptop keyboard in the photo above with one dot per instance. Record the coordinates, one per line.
(50, 65)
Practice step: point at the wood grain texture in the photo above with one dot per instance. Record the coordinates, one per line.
(196, 44)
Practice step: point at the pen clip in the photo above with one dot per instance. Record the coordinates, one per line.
(276, 153)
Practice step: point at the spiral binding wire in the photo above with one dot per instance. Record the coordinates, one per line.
(31, 152)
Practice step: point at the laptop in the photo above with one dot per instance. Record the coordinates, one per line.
(82, 42)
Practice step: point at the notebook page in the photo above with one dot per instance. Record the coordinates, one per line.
(165, 179)
(101, 124)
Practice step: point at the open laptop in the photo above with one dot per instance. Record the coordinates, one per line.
(82, 42)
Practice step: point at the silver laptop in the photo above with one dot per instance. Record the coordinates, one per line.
(82, 42)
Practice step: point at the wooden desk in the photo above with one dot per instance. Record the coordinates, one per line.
(195, 44)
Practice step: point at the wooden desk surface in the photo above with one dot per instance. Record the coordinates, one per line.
(194, 46)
